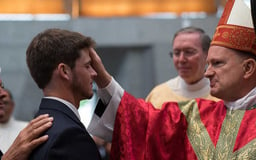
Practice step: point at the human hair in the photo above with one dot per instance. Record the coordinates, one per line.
(245, 54)
(205, 39)
(52, 47)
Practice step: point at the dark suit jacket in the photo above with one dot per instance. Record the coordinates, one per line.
(68, 138)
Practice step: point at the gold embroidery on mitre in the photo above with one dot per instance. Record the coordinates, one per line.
(236, 37)
(240, 38)
(225, 35)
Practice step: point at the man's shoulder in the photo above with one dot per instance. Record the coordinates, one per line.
(164, 85)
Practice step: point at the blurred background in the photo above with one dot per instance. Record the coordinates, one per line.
(133, 38)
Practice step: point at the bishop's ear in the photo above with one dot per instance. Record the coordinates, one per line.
(249, 66)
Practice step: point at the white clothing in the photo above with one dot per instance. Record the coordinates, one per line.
(178, 90)
(180, 87)
(103, 126)
(9, 131)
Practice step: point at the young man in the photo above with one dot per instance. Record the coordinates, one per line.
(29, 138)
(196, 129)
(60, 64)
(190, 49)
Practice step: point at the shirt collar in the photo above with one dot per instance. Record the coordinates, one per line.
(68, 104)
(243, 103)
(196, 86)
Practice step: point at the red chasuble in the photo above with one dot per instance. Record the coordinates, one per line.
(191, 130)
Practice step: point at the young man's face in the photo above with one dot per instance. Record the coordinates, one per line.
(225, 71)
(83, 75)
(188, 57)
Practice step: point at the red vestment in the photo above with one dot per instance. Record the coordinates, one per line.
(196, 129)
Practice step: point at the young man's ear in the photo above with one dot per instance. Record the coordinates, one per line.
(64, 70)
(249, 67)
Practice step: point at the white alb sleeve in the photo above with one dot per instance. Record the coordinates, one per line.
(103, 126)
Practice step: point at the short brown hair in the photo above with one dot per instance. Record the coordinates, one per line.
(52, 47)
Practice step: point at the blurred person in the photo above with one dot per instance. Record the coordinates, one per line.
(190, 49)
(28, 138)
(9, 126)
(59, 63)
(194, 129)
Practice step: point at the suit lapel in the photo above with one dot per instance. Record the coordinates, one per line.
(61, 107)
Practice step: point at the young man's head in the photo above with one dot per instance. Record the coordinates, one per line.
(52, 47)
(190, 48)
(59, 60)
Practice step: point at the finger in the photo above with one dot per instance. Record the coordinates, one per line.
(94, 55)
(34, 122)
(36, 127)
(40, 120)
(36, 142)
(39, 129)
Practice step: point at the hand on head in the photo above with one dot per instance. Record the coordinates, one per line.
(103, 78)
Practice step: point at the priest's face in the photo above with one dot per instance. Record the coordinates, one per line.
(188, 57)
(225, 71)
(3, 108)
